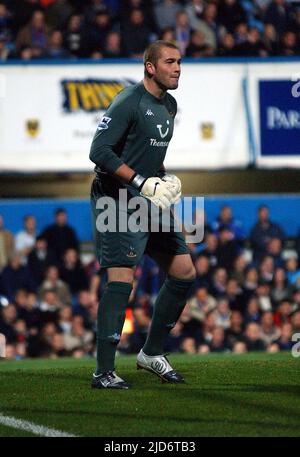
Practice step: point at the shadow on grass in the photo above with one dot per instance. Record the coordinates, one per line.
(258, 425)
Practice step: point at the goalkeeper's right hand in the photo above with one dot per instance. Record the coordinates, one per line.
(159, 192)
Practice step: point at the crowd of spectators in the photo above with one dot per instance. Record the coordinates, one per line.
(246, 295)
(54, 29)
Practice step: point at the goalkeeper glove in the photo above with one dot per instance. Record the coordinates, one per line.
(172, 179)
(159, 192)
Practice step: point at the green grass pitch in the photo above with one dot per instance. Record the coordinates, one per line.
(225, 395)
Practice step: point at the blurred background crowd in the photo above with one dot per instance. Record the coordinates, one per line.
(72, 29)
(246, 296)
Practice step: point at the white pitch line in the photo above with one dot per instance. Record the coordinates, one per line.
(33, 428)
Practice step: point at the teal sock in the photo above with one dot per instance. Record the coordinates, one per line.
(110, 321)
(167, 309)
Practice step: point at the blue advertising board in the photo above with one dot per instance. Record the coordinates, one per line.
(279, 106)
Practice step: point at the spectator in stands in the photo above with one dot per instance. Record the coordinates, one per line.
(74, 40)
(2, 346)
(227, 46)
(40, 345)
(230, 14)
(253, 312)
(226, 219)
(96, 32)
(28, 310)
(4, 50)
(279, 290)
(15, 276)
(57, 348)
(270, 39)
(112, 48)
(127, 6)
(194, 10)
(227, 249)
(234, 295)
(240, 33)
(293, 271)
(239, 347)
(295, 300)
(288, 45)
(58, 13)
(8, 317)
(203, 278)
(253, 46)
(200, 304)
(253, 340)
(218, 342)
(49, 306)
(222, 313)
(21, 331)
(284, 342)
(263, 296)
(25, 239)
(135, 34)
(234, 333)
(33, 34)
(60, 236)
(55, 48)
(141, 322)
(279, 14)
(6, 244)
(268, 331)
(72, 272)
(208, 326)
(219, 282)
(78, 337)
(251, 282)
(94, 8)
(5, 22)
(168, 34)
(188, 346)
(210, 27)
(262, 232)
(165, 13)
(182, 31)
(274, 249)
(39, 259)
(297, 244)
(240, 265)
(295, 320)
(23, 12)
(83, 306)
(197, 46)
(210, 249)
(64, 323)
(53, 283)
(266, 269)
(283, 313)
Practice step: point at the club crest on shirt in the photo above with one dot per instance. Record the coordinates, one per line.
(131, 253)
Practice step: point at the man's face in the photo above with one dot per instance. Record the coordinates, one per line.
(166, 71)
(263, 214)
(61, 218)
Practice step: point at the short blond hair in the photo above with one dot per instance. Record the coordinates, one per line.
(152, 52)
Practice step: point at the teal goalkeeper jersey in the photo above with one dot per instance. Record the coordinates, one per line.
(136, 130)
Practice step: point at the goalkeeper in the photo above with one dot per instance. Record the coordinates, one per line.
(129, 149)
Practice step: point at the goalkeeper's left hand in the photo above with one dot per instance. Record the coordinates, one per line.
(176, 184)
